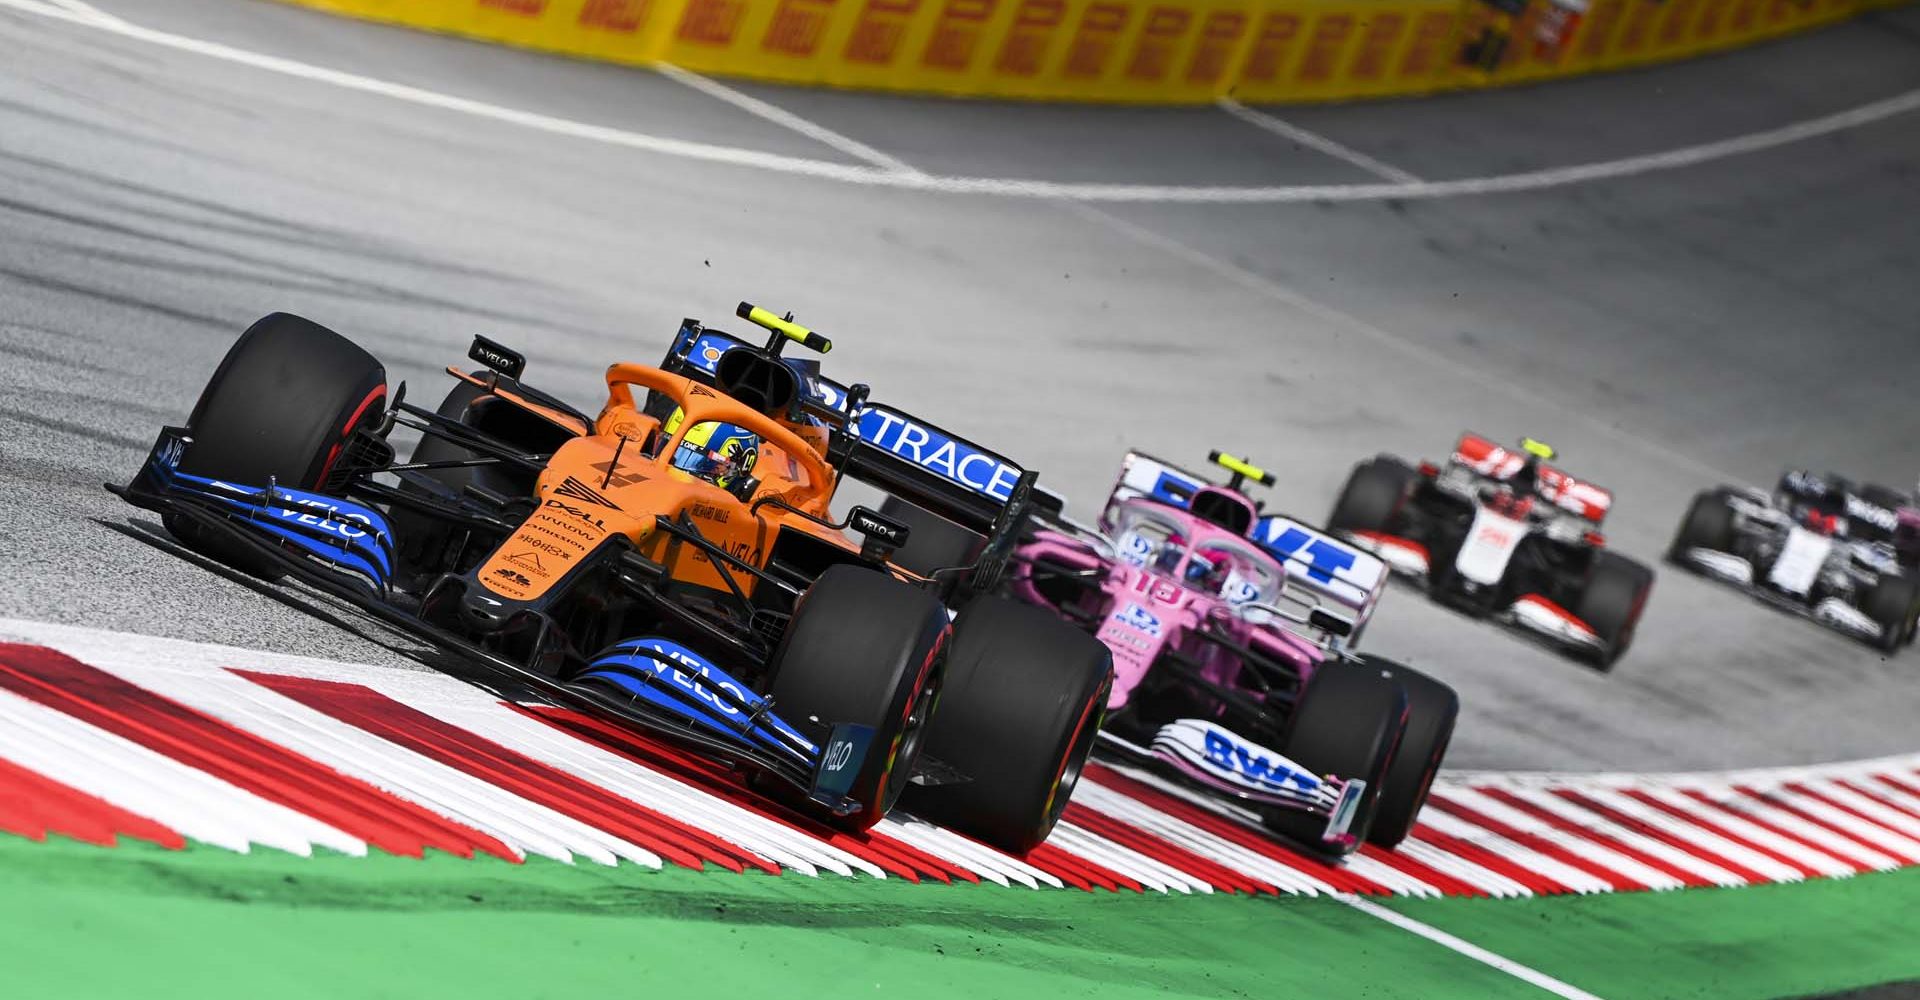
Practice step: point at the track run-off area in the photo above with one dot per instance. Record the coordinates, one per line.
(1681, 276)
(110, 739)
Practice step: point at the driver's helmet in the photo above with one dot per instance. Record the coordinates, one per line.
(1526, 479)
(1208, 570)
(1170, 553)
(1148, 551)
(1819, 502)
(715, 451)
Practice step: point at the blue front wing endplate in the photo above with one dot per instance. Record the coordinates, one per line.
(345, 536)
(667, 677)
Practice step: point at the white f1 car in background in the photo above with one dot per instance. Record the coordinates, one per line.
(1842, 555)
(1501, 534)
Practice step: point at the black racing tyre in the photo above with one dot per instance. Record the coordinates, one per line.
(281, 406)
(420, 540)
(1708, 524)
(866, 649)
(1025, 696)
(1432, 708)
(933, 542)
(1372, 497)
(1348, 723)
(1892, 604)
(1615, 595)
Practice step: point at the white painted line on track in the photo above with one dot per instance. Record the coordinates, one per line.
(786, 119)
(85, 10)
(1533, 180)
(1316, 142)
(1524, 973)
(1473, 374)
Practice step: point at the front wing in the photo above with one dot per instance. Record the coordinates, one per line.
(345, 549)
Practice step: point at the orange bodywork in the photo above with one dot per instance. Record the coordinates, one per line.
(616, 477)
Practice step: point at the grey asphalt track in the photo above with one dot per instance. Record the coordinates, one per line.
(1664, 330)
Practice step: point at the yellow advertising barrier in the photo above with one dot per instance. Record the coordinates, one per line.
(1137, 51)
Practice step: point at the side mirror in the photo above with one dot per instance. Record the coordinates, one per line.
(881, 534)
(498, 357)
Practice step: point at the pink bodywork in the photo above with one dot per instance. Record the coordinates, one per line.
(1179, 611)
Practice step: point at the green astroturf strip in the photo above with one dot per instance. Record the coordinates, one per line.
(1817, 937)
(139, 921)
(80, 921)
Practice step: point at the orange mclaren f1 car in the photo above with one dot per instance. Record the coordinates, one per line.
(672, 563)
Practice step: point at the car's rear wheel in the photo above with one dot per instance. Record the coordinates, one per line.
(866, 649)
(1348, 724)
(1024, 700)
(280, 407)
(1432, 708)
(1892, 605)
(1611, 603)
(1708, 524)
(1372, 498)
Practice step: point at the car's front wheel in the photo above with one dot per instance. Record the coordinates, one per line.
(1024, 700)
(281, 407)
(1611, 603)
(1892, 605)
(1348, 724)
(1432, 708)
(867, 649)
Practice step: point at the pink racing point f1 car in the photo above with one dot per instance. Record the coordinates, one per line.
(1501, 534)
(1230, 676)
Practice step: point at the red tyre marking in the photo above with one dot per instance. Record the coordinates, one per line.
(341, 441)
(1099, 701)
(1536, 843)
(1227, 829)
(1725, 832)
(236, 756)
(1840, 854)
(1667, 837)
(1619, 847)
(1166, 852)
(406, 726)
(890, 855)
(34, 806)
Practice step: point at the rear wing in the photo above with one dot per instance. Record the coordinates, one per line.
(931, 468)
(1315, 560)
(1583, 499)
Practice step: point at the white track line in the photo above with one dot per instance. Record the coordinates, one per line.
(909, 179)
(1512, 968)
(786, 119)
(1316, 142)
(85, 10)
(1471, 373)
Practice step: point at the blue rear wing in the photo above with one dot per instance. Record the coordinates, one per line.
(1325, 565)
(886, 447)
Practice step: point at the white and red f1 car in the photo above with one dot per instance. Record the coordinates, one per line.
(1500, 533)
